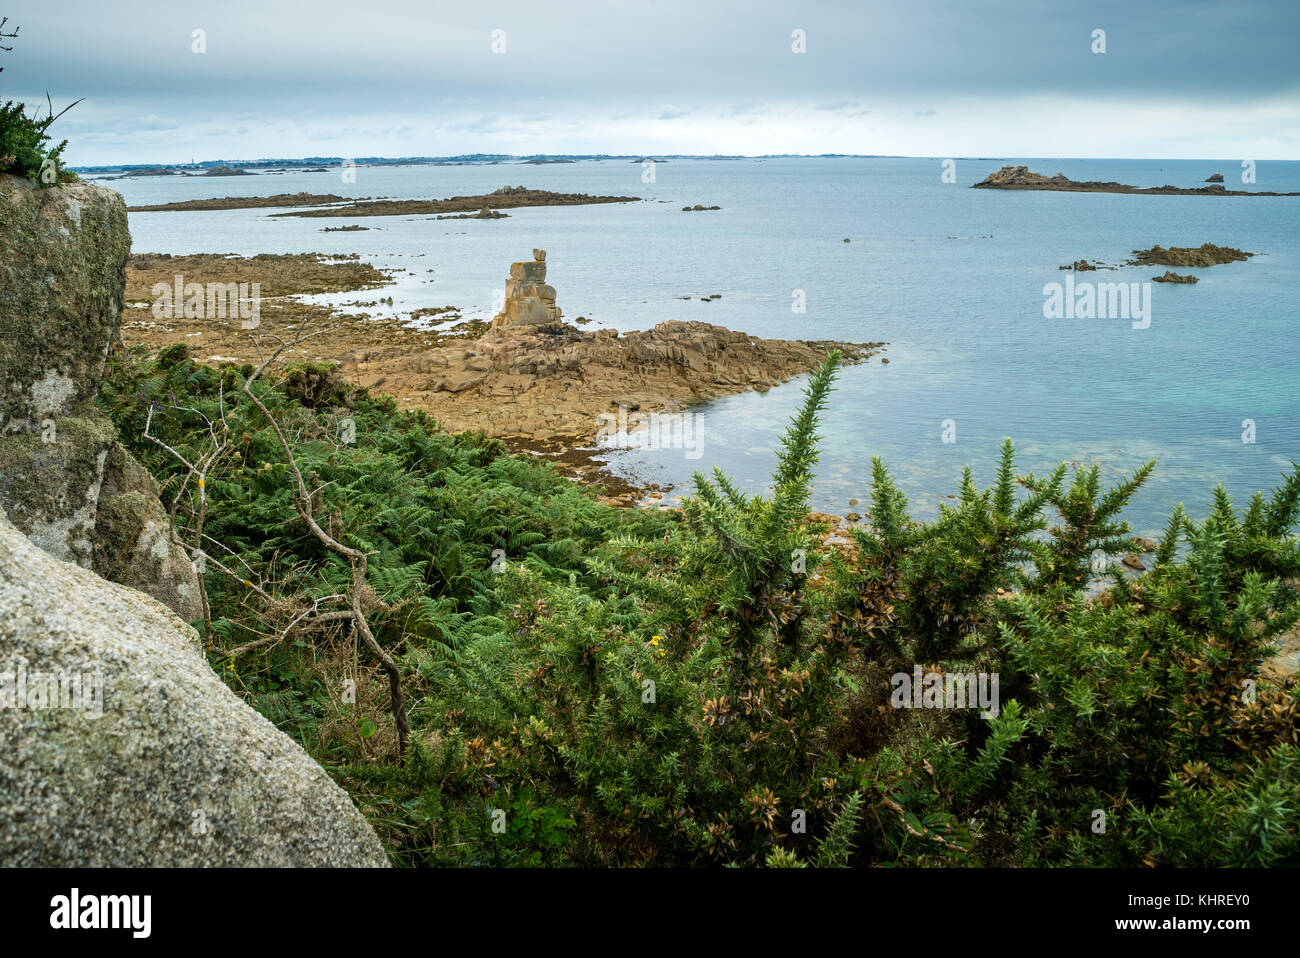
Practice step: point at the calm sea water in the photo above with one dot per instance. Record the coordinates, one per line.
(952, 278)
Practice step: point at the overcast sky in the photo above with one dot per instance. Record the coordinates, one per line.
(915, 77)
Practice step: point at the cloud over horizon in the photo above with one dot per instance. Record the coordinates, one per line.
(1178, 79)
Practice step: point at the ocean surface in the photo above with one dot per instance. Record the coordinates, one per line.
(951, 278)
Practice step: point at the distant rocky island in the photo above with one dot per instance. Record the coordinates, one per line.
(243, 202)
(1207, 254)
(1020, 178)
(331, 204)
(507, 197)
(486, 213)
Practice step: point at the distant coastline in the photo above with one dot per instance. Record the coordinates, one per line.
(325, 164)
(328, 164)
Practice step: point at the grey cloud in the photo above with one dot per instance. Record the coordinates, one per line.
(335, 64)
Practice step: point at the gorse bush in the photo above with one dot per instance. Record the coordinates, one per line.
(24, 146)
(589, 685)
(24, 140)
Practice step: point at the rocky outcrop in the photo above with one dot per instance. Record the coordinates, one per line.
(530, 302)
(557, 380)
(507, 197)
(123, 748)
(527, 381)
(64, 479)
(1214, 178)
(1020, 178)
(1207, 254)
(486, 213)
(243, 202)
(1171, 277)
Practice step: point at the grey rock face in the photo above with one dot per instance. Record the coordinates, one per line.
(63, 265)
(64, 479)
(151, 761)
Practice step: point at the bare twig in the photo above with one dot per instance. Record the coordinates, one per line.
(272, 639)
(305, 502)
(7, 36)
(199, 470)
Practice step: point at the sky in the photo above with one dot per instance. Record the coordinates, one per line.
(937, 78)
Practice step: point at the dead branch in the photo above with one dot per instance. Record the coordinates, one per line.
(305, 502)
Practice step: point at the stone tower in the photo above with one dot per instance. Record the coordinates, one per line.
(530, 301)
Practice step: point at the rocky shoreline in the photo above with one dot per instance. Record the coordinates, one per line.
(533, 375)
(1020, 178)
(531, 378)
(558, 380)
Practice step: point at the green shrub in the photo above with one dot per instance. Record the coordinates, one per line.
(24, 139)
(621, 687)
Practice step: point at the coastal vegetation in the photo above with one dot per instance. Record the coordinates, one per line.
(588, 685)
(503, 670)
(25, 140)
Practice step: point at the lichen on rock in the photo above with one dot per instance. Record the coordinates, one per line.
(143, 757)
(62, 259)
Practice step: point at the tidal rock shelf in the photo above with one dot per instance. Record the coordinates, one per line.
(508, 197)
(532, 375)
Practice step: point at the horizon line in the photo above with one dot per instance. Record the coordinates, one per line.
(634, 157)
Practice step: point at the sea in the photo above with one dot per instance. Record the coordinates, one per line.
(957, 281)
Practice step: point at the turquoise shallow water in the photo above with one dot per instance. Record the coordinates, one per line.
(951, 277)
